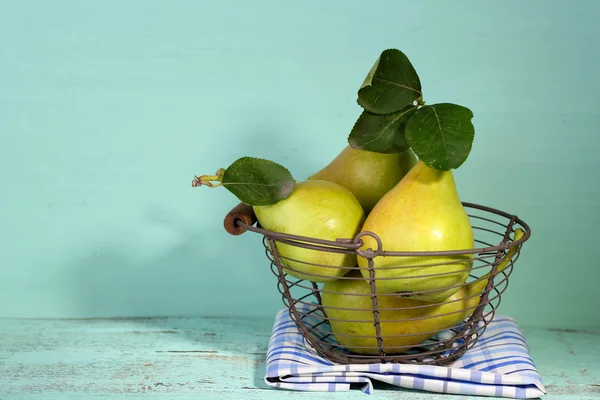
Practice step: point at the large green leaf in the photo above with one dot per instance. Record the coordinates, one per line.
(441, 135)
(380, 133)
(391, 84)
(258, 182)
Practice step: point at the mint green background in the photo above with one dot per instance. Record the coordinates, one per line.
(109, 108)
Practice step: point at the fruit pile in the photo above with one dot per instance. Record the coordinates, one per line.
(390, 189)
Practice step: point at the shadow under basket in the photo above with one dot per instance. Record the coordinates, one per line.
(372, 325)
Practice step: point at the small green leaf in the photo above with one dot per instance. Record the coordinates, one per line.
(258, 182)
(380, 133)
(391, 85)
(441, 135)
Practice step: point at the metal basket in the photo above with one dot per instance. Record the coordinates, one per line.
(371, 336)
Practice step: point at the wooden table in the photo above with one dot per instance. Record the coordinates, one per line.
(213, 358)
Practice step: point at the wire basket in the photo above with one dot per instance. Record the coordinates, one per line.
(367, 326)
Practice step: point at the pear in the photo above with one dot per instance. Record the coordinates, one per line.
(423, 212)
(401, 329)
(318, 209)
(368, 175)
(348, 305)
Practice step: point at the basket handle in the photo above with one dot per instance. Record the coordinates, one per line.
(240, 213)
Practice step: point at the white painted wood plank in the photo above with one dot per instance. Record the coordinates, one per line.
(214, 359)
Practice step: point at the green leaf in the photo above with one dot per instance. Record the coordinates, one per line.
(391, 85)
(381, 133)
(441, 135)
(258, 182)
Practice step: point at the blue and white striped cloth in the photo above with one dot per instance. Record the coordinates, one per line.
(498, 365)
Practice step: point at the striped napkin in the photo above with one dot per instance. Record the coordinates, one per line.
(498, 365)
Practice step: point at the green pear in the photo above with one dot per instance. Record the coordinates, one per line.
(368, 175)
(423, 212)
(349, 308)
(318, 209)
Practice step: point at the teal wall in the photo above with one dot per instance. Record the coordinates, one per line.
(109, 108)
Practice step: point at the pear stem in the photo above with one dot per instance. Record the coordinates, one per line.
(207, 180)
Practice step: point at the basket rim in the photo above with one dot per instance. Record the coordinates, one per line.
(354, 244)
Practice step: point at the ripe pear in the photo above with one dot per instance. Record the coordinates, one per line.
(346, 301)
(419, 324)
(318, 209)
(368, 175)
(423, 212)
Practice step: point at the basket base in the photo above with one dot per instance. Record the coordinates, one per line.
(442, 349)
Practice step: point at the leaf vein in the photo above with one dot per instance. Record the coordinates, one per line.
(399, 85)
(437, 117)
(388, 126)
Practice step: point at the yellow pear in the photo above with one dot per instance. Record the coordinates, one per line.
(346, 301)
(318, 209)
(423, 212)
(400, 329)
(368, 175)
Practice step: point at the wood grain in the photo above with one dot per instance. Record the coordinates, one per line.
(213, 358)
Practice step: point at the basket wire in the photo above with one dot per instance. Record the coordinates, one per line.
(303, 297)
